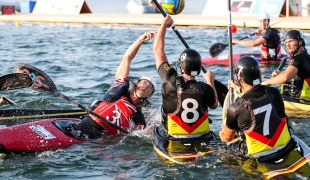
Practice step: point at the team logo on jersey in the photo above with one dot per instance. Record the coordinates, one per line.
(167, 67)
(291, 62)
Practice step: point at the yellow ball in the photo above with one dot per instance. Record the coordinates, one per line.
(173, 7)
(17, 23)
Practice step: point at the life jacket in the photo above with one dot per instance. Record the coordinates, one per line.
(271, 50)
(305, 91)
(190, 119)
(269, 133)
(118, 113)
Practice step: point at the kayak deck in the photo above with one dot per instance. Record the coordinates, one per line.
(298, 110)
(224, 59)
(18, 116)
(182, 151)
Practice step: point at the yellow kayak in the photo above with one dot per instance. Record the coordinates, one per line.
(295, 109)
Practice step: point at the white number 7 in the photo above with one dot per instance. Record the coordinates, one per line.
(268, 109)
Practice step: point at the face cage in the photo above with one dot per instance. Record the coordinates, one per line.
(144, 96)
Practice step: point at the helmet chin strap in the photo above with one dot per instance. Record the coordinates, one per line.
(298, 47)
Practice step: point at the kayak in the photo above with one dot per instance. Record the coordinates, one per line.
(182, 151)
(293, 165)
(46, 134)
(296, 109)
(224, 59)
(18, 116)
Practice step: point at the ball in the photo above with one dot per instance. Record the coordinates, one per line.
(173, 7)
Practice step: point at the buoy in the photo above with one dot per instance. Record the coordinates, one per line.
(17, 23)
(233, 28)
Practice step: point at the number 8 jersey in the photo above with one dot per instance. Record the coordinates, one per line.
(190, 119)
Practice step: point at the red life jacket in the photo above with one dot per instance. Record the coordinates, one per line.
(269, 51)
(118, 113)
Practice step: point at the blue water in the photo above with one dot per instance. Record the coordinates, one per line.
(82, 60)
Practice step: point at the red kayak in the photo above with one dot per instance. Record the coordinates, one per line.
(40, 135)
(223, 59)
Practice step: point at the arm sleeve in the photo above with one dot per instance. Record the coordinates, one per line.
(296, 63)
(166, 72)
(209, 95)
(118, 89)
(231, 119)
(268, 35)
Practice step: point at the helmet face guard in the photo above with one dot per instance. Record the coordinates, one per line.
(248, 69)
(190, 61)
(145, 87)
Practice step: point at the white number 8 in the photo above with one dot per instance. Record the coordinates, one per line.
(190, 110)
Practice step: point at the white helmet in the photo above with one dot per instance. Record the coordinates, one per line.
(151, 79)
(263, 15)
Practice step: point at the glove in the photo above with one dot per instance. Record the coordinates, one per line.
(139, 119)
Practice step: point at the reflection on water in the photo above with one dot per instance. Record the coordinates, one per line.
(82, 61)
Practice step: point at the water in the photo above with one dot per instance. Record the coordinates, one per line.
(82, 61)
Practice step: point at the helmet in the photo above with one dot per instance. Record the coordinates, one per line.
(190, 61)
(294, 34)
(248, 69)
(151, 79)
(263, 15)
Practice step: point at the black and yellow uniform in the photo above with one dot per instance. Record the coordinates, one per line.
(259, 116)
(299, 85)
(184, 111)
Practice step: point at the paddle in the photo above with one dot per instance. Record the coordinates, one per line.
(14, 81)
(6, 100)
(221, 89)
(218, 48)
(43, 83)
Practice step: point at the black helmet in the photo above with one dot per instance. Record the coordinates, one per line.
(294, 34)
(298, 35)
(190, 61)
(248, 69)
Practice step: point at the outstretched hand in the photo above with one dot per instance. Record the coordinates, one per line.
(148, 35)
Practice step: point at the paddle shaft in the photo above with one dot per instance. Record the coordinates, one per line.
(218, 48)
(247, 36)
(90, 111)
(218, 85)
(231, 97)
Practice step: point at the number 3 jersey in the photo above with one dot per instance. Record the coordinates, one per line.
(261, 119)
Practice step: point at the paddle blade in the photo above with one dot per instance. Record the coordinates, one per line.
(15, 81)
(221, 90)
(217, 49)
(41, 81)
